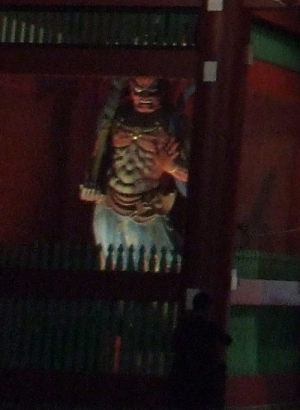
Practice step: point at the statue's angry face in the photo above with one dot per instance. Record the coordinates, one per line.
(145, 94)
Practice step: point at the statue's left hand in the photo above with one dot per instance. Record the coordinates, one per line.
(166, 154)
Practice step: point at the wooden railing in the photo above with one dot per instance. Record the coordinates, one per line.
(72, 340)
(102, 335)
(85, 257)
(74, 336)
(71, 256)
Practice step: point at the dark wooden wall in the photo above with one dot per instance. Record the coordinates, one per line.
(268, 193)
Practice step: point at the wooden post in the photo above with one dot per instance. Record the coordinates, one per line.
(223, 40)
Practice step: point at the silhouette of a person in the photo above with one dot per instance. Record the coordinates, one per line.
(197, 376)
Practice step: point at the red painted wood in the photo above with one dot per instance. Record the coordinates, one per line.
(263, 4)
(271, 4)
(271, 80)
(48, 126)
(215, 154)
(268, 194)
(286, 19)
(96, 61)
(30, 166)
(263, 389)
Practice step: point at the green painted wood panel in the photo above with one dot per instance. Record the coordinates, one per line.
(275, 46)
(265, 340)
(251, 264)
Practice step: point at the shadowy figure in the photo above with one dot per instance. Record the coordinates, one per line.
(197, 376)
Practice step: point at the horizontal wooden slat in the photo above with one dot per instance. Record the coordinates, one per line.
(288, 19)
(144, 3)
(271, 4)
(136, 286)
(123, 285)
(264, 4)
(111, 3)
(96, 61)
(131, 390)
(110, 390)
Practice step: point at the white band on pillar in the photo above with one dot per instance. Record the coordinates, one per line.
(210, 71)
(215, 5)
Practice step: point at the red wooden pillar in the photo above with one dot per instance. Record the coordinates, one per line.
(223, 38)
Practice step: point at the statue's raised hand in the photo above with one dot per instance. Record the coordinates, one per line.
(166, 154)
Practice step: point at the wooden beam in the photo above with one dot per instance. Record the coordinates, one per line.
(264, 4)
(215, 153)
(288, 19)
(292, 3)
(258, 4)
(107, 390)
(100, 3)
(97, 61)
(71, 389)
(109, 286)
(273, 4)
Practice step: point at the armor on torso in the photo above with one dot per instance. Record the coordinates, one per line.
(135, 184)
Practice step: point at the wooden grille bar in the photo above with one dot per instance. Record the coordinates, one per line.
(103, 27)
